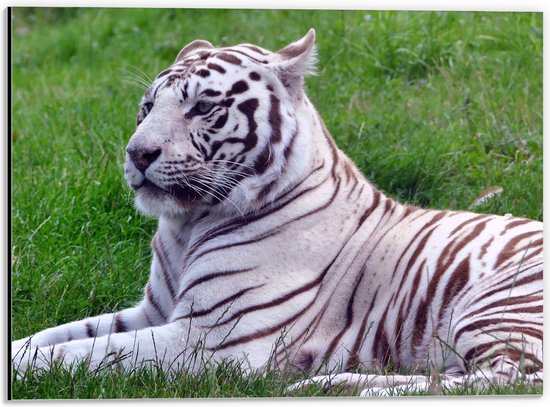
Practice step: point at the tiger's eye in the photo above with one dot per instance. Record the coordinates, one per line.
(204, 107)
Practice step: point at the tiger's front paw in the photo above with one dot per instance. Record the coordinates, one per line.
(24, 356)
(27, 358)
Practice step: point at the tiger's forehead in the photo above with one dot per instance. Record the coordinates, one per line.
(207, 62)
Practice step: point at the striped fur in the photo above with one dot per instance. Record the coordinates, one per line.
(274, 249)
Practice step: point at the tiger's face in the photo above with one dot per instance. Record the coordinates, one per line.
(213, 119)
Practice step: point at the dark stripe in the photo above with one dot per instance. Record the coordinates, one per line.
(222, 120)
(417, 251)
(165, 72)
(484, 248)
(536, 249)
(508, 251)
(60, 353)
(455, 285)
(248, 107)
(290, 144)
(149, 321)
(506, 302)
(264, 332)
(514, 224)
(211, 92)
(211, 276)
(319, 208)
(255, 49)
(255, 76)
(353, 188)
(203, 55)
(120, 326)
(237, 88)
(381, 348)
(419, 325)
(478, 350)
(215, 67)
(402, 315)
(417, 235)
(534, 253)
(349, 319)
(89, 330)
(416, 282)
(204, 73)
(514, 311)
(165, 265)
(332, 145)
(266, 190)
(311, 329)
(372, 207)
(228, 103)
(264, 160)
(452, 249)
(151, 298)
(248, 56)
(276, 301)
(354, 361)
(230, 59)
(515, 353)
(275, 120)
(463, 224)
(409, 210)
(514, 284)
(230, 299)
(523, 330)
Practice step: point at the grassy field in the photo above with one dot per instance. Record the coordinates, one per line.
(435, 108)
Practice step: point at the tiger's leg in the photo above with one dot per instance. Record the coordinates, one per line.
(370, 384)
(162, 345)
(131, 319)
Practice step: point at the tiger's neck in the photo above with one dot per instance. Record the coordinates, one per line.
(306, 155)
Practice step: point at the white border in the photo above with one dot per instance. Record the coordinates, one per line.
(473, 5)
(465, 5)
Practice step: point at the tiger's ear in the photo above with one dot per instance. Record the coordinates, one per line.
(192, 46)
(296, 60)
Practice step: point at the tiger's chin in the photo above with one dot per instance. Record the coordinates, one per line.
(155, 202)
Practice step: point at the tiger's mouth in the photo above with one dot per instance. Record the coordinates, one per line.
(183, 193)
(145, 184)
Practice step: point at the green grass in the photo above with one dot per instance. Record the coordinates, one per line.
(226, 380)
(434, 107)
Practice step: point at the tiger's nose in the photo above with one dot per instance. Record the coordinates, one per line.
(143, 157)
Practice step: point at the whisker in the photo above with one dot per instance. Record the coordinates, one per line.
(134, 78)
(234, 163)
(221, 169)
(143, 73)
(210, 180)
(225, 181)
(216, 194)
(193, 187)
(144, 77)
(133, 82)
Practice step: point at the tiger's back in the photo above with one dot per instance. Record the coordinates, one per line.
(448, 288)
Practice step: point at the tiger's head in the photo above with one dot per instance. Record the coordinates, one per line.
(216, 128)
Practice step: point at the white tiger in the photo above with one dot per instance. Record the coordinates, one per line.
(273, 249)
